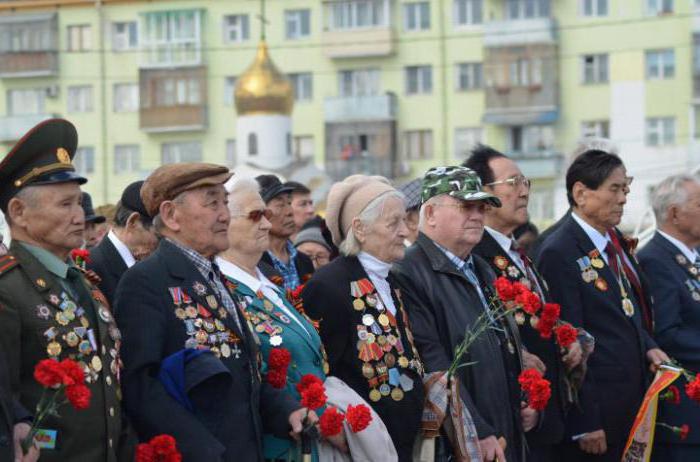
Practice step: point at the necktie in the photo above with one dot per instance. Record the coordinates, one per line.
(529, 270)
(612, 258)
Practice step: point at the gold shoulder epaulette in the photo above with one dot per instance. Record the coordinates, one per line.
(7, 262)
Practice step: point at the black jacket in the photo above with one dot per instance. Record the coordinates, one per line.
(550, 429)
(339, 332)
(677, 313)
(617, 370)
(442, 305)
(303, 264)
(11, 412)
(109, 266)
(225, 426)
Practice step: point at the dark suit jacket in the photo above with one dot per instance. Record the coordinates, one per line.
(11, 412)
(303, 264)
(109, 266)
(550, 429)
(225, 426)
(327, 296)
(677, 326)
(617, 370)
(442, 304)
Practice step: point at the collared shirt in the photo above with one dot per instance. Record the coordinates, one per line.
(262, 284)
(506, 244)
(690, 254)
(378, 271)
(469, 270)
(288, 271)
(601, 241)
(54, 265)
(122, 249)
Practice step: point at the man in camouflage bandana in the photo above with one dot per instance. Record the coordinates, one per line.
(446, 289)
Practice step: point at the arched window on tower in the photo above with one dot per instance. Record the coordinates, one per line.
(252, 144)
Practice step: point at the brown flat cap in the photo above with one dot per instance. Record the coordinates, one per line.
(167, 181)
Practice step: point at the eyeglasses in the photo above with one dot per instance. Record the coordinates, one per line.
(514, 182)
(256, 215)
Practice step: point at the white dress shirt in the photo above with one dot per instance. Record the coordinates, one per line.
(378, 271)
(690, 254)
(123, 250)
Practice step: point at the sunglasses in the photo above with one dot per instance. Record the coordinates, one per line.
(256, 215)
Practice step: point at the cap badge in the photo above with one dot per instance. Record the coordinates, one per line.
(62, 156)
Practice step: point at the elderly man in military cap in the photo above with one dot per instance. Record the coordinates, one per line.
(191, 363)
(447, 288)
(131, 239)
(47, 308)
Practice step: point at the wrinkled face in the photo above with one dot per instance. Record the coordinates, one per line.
(202, 219)
(319, 255)
(282, 219)
(303, 209)
(514, 195)
(456, 224)
(143, 240)
(384, 238)
(603, 207)
(249, 231)
(52, 217)
(687, 215)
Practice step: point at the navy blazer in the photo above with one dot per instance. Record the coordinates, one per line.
(617, 370)
(109, 266)
(677, 326)
(225, 426)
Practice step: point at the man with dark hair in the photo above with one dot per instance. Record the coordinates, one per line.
(302, 205)
(282, 264)
(594, 276)
(131, 239)
(498, 247)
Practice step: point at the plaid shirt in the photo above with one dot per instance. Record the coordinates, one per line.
(288, 271)
(210, 271)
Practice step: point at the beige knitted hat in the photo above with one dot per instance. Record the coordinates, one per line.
(348, 198)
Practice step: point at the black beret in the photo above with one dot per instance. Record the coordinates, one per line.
(90, 216)
(271, 187)
(131, 198)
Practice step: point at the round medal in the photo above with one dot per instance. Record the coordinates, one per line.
(53, 348)
(358, 304)
(362, 334)
(397, 394)
(259, 328)
(72, 339)
(520, 318)
(225, 350)
(201, 336)
(62, 319)
(403, 361)
(104, 314)
(276, 340)
(370, 338)
(69, 314)
(381, 340)
(85, 348)
(371, 300)
(216, 351)
(390, 360)
(367, 370)
(219, 325)
(374, 395)
(601, 284)
(384, 389)
(628, 307)
(383, 319)
(96, 363)
(191, 312)
(367, 320)
(180, 313)
(597, 263)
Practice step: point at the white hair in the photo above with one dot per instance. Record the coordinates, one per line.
(238, 187)
(671, 191)
(368, 217)
(421, 216)
(594, 143)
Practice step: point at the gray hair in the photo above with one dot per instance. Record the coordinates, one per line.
(368, 217)
(158, 224)
(29, 195)
(421, 212)
(671, 191)
(237, 187)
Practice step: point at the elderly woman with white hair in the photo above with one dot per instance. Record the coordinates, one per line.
(364, 324)
(672, 265)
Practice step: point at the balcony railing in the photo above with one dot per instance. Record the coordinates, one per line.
(360, 108)
(515, 32)
(28, 64)
(173, 99)
(543, 163)
(13, 127)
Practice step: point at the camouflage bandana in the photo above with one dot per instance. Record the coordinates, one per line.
(458, 182)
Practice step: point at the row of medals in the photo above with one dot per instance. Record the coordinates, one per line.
(204, 332)
(387, 341)
(589, 274)
(693, 284)
(81, 337)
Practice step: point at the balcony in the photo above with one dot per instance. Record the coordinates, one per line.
(517, 32)
(357, 29)
(358, 43)
(367, 147)
(539, 164)
(359, 108)
(13, 127)
(28, 64)
(29, 46)
(173, 100)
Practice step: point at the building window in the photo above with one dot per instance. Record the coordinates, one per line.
(303, 86)
(231, 157)
(594, 68)
(660, 64)
(297, 24)
(595, 128)
(526, 9)
(236, 28)
(188, 151)
(229, 90)
(469, 76)
(84, 160)
(124, 36)
(419, 80)
(661, 131)
(358, 14)
(27, 36)
(656, 7)
(26, 102)
(416, 16)
(525, 72)
(592, 8)
(79, 38)
(418, 144)
(530, 139)
(184, 91)
(359, 82)
(80, 98)
(252, 144)
(127, 158)
(303, 147)
(126, 97)
(468, 12)
(172, 37)
(466, 139)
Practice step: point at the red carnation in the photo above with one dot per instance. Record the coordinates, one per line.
(161, 448)
(566, 335)
(671, 395)
(331, 422)
(529, 301)
(72, 372)
(79, 396)
(145, 453)
(519, 288)
(307, 380)
(692, 389)
(314, 396)
(683, 431)
(527, 377)
(279, 358)
(80, 255)
(358, 417)
(276, 378)
(504, 289)
(551, 312)
(48, 373)
(537, 389)
(296, 293)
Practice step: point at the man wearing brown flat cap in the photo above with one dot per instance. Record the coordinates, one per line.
(190, 362)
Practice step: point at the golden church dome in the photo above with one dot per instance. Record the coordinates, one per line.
(263, 89)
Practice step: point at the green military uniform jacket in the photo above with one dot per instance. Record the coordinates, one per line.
(40, 318)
